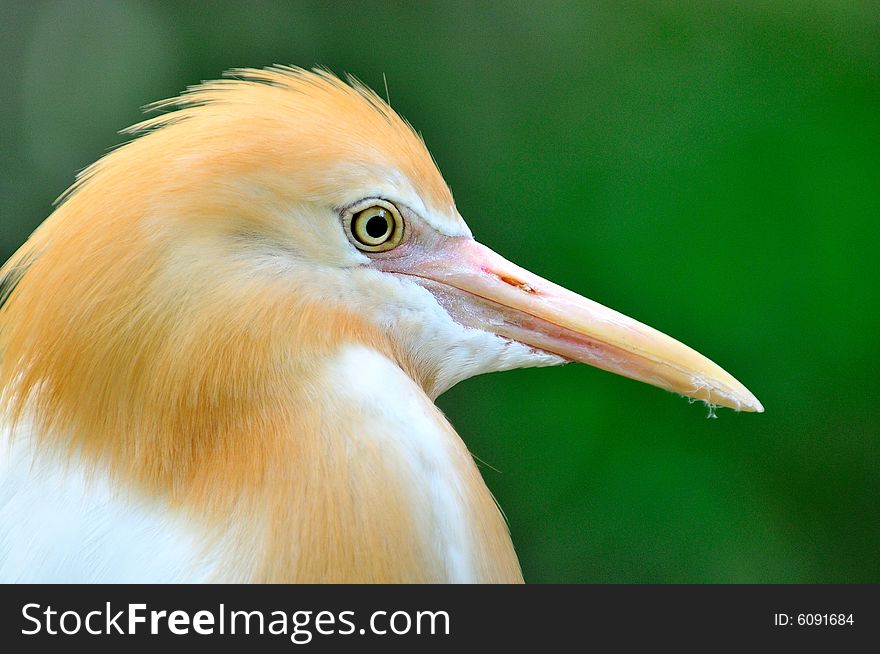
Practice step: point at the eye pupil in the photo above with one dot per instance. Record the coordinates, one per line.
(377, 226)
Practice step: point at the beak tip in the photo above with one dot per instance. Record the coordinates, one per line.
(744, 400)
(725, 391)
(755, 406)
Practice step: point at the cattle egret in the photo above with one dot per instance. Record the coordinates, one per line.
(220, 353)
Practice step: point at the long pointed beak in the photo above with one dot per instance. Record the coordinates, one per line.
(483, 290)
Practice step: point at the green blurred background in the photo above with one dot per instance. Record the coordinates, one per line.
(712, 169)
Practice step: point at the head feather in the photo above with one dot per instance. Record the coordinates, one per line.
(125, 315)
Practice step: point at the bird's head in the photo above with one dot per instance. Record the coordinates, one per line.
(269, 217)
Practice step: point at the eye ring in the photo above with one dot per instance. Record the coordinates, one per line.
(376, 228)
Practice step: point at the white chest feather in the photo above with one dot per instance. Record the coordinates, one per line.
(421, 448)
(62, 524)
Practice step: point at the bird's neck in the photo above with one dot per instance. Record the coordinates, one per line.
(388, 491)
(350, 474)
(363, 481)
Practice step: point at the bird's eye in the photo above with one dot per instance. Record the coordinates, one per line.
(377, 228)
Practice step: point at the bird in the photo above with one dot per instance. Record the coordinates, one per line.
(222, 349)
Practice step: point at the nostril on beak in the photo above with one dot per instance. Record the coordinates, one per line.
(513, 281)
